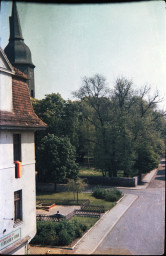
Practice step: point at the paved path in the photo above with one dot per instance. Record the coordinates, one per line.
(63, 209)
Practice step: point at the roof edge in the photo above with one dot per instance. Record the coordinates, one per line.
(6, 127)
(8, 63)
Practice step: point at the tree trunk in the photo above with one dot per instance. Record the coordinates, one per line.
(77, 197)
(74, 195)
(139, 178)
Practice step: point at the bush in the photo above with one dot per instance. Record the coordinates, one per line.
(111, 195)
(99, 193)
(58, 233)
(64, 237)
(79, 228)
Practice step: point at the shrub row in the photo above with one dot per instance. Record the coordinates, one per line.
(58, 233)
(111, 195)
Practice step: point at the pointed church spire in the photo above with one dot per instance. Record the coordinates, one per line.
(15, 28)
(18, 52)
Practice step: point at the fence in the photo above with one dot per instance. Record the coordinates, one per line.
(81, 213)
(87, 210)
(93, 208)
(44, 217)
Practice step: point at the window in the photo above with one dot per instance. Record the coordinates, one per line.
(18, 206)
(32, 95)
(17, 147)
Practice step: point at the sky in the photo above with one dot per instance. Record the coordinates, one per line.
(71, 41)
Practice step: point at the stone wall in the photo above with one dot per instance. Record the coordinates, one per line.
(92, 180)
(45, 187)
(114, 181)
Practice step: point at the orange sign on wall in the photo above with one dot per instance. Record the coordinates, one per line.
(18, 169)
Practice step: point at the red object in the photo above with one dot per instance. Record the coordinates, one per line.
(18, 169)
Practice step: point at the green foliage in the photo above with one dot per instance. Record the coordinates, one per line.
(89, 172)
(61, 116)
(111, 195)
(99, 193)
(56, 159)
(62, 119)
(76, 186)
(147, 159)
(58, 233)
(110, 126)
(118, 123)
(132, 172)
(64, 237)
(85, 222)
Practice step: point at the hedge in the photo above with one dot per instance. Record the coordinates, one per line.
(110, 195)
(58, 233)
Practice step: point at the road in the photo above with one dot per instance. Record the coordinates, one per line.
(141, 230)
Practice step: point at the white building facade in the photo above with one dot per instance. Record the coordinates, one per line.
(18, 124)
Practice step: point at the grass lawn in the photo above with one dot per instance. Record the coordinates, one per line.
(82, 196)
(89, 221)
(89, 172)
(94, 172)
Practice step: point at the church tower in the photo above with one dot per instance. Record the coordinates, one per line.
(18, 52)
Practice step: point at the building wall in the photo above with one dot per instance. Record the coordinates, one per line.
(5, 92)
(9, 184)
(21, 251)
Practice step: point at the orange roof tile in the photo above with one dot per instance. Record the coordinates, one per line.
(23, 115)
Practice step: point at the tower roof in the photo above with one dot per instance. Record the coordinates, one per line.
(15, 28)
(16, 50)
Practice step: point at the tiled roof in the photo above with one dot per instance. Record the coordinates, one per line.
(20, 74)
(23, 115)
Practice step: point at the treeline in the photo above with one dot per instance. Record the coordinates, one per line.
(120, 128)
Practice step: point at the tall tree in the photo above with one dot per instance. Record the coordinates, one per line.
(62, 117)
(56, 159)
(94, 96)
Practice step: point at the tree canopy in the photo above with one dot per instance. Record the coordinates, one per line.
(123, 121)
(120, 128)
(56, 159)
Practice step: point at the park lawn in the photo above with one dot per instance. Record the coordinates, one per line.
(89, 172)
(89, 221)
(69, 196)
(95, 172)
